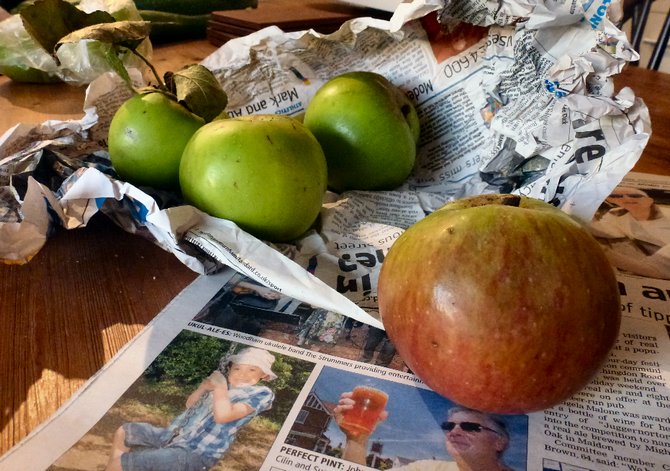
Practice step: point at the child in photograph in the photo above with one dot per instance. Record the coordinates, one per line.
(197, 439)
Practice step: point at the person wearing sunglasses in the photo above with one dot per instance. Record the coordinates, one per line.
(475, 440)
(635, 233)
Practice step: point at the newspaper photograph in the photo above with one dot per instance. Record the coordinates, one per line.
(633, 225)
(245, 378)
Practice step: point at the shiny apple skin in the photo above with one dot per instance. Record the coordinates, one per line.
(368, 130)
(266, 173)
(506, 309)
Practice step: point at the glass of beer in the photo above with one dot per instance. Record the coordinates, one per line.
(369, 403)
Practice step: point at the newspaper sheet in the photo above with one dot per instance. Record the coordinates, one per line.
(621, 420)
(513, 96)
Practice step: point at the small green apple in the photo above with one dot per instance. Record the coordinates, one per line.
(266, 173)
(147, 136)
(368, 130)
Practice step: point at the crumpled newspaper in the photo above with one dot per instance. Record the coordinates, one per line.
(513, 96)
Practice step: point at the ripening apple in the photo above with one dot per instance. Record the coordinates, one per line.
(147, 136)
(368, 130)
(267, 173)
(501, 303)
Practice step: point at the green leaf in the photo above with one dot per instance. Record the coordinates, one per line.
(47, 21)
(128, 34)
(116, 64)
(196, 87)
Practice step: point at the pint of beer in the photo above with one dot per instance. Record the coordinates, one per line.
(369, 403)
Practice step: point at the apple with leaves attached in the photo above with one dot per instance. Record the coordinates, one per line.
(501, 303)
(266, 173)
(368, 129)
(147, 136)
(149, 131)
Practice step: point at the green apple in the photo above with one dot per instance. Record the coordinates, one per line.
(28, 74)
(368, 130)
(266, 173)
(147, 136)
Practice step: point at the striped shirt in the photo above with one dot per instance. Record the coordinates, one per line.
(196, 429)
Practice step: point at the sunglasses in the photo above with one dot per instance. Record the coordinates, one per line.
(466, 427)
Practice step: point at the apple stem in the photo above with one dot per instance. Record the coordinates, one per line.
(161, 84)
(510, 200)
(503, 199)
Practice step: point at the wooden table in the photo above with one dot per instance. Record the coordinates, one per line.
(89, 291)
(86, 293)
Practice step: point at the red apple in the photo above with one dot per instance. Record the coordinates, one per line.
(500, 303)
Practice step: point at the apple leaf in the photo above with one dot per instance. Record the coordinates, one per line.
(128, 34)
(198, 89)
(115, 62)
(47, 21)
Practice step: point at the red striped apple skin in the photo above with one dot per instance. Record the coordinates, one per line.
(500, 303)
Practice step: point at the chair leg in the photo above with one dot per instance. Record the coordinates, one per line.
(661, 44)
(639, 22)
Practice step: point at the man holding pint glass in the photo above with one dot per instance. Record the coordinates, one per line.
(475, 440)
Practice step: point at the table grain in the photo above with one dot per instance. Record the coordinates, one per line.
(87, 292)
(91, 290)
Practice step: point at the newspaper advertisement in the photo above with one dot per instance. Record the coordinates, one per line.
(288, 368)
(512, 97)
